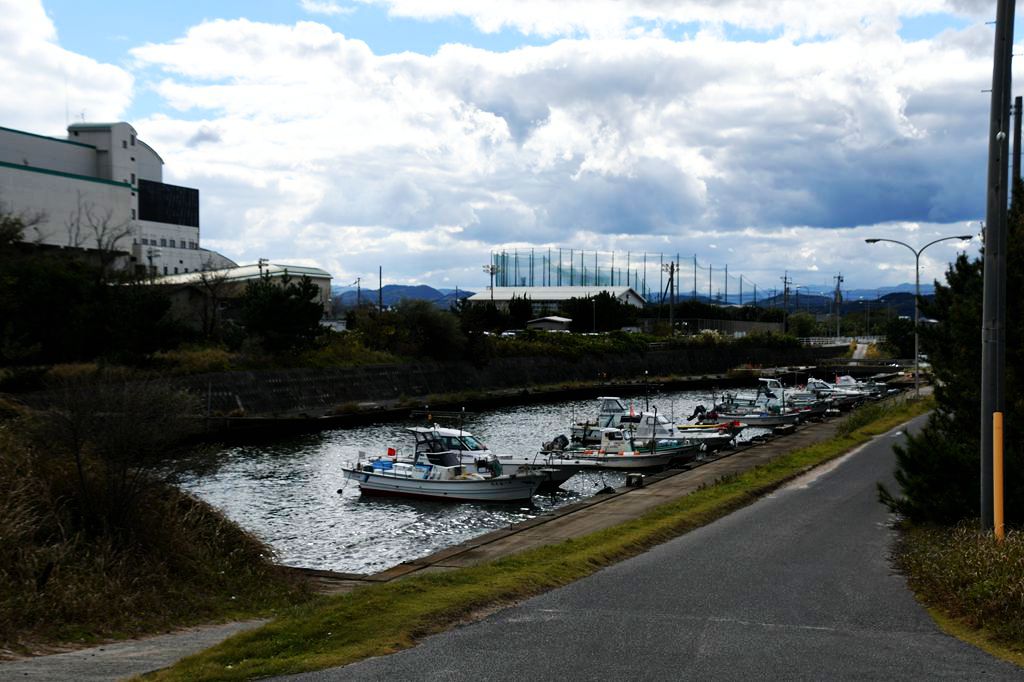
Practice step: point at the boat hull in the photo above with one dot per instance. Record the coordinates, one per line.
(501, 489)
(617, 462)
(761, 420)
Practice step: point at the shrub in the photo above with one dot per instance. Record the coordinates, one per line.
(963, 571)
(197, 360)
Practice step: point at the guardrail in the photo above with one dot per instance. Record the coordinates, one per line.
(839, 340)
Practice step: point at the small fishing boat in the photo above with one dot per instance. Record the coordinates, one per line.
(610, 411)
(712, 437)
(439, 474)
(619, 450)
(471, 450)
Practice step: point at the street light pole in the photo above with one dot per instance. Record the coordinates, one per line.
(491, 269)
(917, 297)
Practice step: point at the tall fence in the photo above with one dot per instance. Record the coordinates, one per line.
(648, 273)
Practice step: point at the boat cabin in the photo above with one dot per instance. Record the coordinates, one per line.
(610, 411)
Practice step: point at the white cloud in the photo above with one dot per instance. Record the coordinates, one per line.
(326, 7)
(44, 85)
(608, 18)
(308, 147)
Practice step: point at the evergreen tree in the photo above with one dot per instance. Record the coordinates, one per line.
(938, 470)
(284, 314)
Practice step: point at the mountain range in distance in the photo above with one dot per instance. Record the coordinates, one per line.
(899, 296)
(392, 294)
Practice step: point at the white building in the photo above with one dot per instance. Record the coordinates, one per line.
(545, 299)
(102, 189)
(230, 283)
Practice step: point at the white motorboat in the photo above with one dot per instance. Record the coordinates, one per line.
(610, 412)
(472, 450)
(438, 474)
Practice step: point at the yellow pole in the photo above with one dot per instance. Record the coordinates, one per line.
(997, 474)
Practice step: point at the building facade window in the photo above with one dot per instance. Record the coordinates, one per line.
(124, 144)
(163, 241)
(133, 214)
(170, 243)
(133, 178)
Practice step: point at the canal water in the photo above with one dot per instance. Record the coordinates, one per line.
(287, 492)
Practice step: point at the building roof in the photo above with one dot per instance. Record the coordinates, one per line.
(538, 294)
(244, 273)
(47, 137)
(552, 318)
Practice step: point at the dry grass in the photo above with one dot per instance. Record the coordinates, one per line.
(173, 561)
(964, 573)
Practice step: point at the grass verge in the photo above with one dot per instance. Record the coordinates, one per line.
(385, 618)
(972, 585)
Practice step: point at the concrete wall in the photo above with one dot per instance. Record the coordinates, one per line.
(316, 392)
(25, 149)
(64, 200)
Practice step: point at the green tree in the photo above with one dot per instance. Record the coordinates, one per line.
(480, 317)
(938, 470)
(803, 324)
(899, 334)
(413, 328)
(602, 313)
(520, 311)
(284, 314)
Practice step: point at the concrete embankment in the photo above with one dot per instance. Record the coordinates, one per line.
(239, 400)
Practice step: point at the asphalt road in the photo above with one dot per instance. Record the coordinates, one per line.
(795, 586)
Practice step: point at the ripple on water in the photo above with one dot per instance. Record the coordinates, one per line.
(286, 492)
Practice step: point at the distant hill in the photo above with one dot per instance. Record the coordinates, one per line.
(392, 294)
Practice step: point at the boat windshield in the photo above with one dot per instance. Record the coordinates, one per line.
(472, 443)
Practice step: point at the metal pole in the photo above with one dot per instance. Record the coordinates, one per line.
(380, 288)
(695, 277)
(1017, 103)
(993, 330)
(917, 315)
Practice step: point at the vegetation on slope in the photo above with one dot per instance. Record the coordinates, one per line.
(97, 542)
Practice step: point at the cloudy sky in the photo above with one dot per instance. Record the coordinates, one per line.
(418, 135)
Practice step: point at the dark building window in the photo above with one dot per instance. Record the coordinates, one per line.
(163, 203)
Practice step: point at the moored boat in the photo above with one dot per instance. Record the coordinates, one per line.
(439, 474)
(619, 450)
(471, 450)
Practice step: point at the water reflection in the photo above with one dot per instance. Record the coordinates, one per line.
(287, 492)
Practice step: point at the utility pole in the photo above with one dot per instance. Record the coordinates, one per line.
(838, 299)
(695, 277)
(785, 302)
(670, 268)
(741, 291)
(726, 284)
(993, 331)
(1016, 142)
(380, 289)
